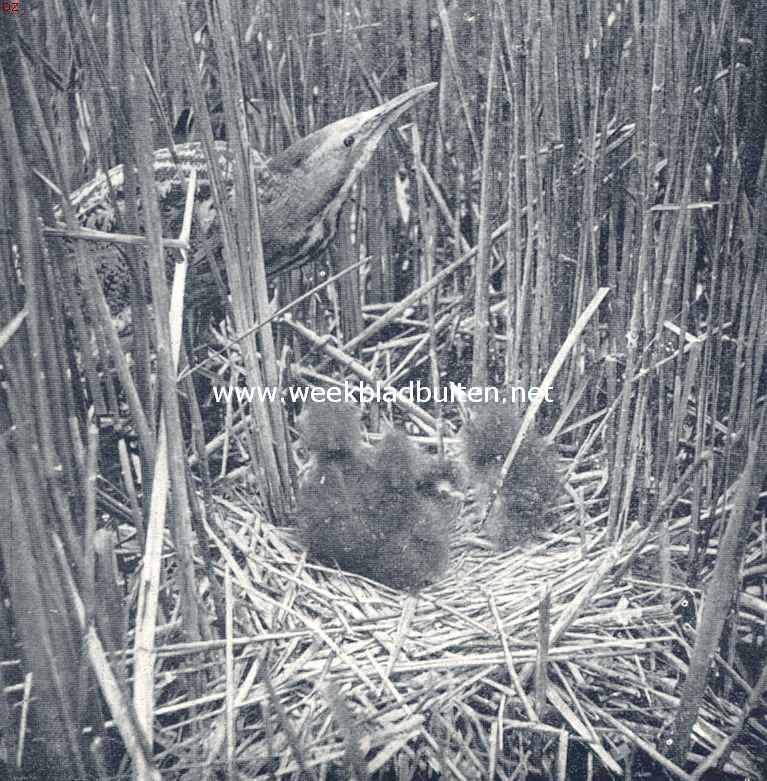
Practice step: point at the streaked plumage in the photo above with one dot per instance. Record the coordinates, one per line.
(301, 193)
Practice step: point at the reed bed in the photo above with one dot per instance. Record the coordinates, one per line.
(581, 205)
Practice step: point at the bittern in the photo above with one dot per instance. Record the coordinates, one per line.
(376, 511)
(533, 485)
(301, 194)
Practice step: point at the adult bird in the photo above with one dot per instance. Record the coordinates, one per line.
(301, 193)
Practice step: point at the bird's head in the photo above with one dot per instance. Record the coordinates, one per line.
(307, 184)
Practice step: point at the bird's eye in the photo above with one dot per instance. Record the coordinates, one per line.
(349, 141)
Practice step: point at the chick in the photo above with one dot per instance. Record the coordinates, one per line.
(533, 484)
(404, 501)
(374, 511)
(325, 514)
(330, 430)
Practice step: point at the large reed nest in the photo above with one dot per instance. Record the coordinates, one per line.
(335, 676)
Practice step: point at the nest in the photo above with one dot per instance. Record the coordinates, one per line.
(337, 676)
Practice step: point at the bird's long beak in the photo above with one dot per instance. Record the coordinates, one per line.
(372, 125)
(368, 128)
(316, 175)
(391, 110)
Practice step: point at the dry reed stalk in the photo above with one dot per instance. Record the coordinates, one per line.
(428, 242)
(169, 466)
(479, 376)
(112, 689)
(719, 594)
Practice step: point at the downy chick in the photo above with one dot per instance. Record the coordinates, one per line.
(374, 511)
(339, 463)
(405, 502)
(533, 485)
